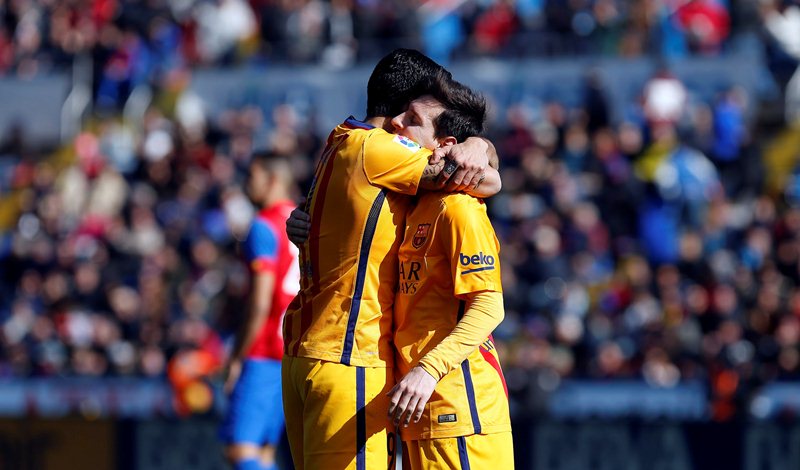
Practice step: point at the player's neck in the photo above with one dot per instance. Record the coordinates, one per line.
(275, 197)
(380, 121)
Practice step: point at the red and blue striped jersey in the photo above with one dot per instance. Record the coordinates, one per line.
(268, 250)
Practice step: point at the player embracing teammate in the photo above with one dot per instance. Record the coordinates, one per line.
(383, 283)
(451, 395)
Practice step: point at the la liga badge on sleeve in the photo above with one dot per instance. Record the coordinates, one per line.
(406, 142)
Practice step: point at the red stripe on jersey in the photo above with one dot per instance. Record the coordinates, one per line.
(489, 357)
(302, 297)
(290, 342)
(316, 216)
(294, 341)
(326, 153)
(305, 322)
(310, 256)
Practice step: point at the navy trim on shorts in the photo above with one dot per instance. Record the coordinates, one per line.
(463, 457)
(473, 406)
(361, 419)
(363, 261)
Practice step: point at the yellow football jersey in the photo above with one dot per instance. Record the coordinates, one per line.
(349, 262)
(449, 250)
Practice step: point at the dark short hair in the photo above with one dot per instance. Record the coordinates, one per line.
(464, 109)
(273, 163)
(397, 79)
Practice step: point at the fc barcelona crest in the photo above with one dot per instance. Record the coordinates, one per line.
(420, 235)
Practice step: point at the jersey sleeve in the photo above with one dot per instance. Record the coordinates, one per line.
(473, 248)
(483, 313)
(261, 247)
(394, 162)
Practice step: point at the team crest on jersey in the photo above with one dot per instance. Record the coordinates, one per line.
(407, 143)
(420, 235)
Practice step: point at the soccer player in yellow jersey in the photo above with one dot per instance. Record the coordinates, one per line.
(338, 359)
(449, 300)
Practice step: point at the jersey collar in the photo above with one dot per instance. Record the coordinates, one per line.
(355, 123)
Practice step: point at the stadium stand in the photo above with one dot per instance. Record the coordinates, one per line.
(649, 219)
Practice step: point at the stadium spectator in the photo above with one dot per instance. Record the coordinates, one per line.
(782, 22)
(117, 249)
(133, 41)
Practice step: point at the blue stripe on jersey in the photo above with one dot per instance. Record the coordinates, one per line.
(353, 122)
(485, 268)
(361, 419)
(326, 155)
(363, 261)
(463, 457)
(473, 406)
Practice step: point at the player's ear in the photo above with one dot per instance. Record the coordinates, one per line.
(447, 141)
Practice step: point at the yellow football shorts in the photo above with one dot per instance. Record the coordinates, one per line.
(337, 415)
(478, 452)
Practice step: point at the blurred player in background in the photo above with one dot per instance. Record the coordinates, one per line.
(449, 300)
(338, 364)
(254, 423)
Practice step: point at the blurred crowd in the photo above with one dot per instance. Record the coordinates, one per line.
(651, 249)
(664, 247)
(132, 41)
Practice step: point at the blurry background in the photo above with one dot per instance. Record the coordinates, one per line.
(649, 221)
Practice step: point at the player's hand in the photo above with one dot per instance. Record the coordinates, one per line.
(471, 159)
(234, 370)
(438, 155)
(407, 399)
(297, 226)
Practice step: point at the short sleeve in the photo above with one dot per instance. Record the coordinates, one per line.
(261, 247)
(470, 241)
(394, 162)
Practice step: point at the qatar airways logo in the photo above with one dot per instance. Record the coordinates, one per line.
(476, 263)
